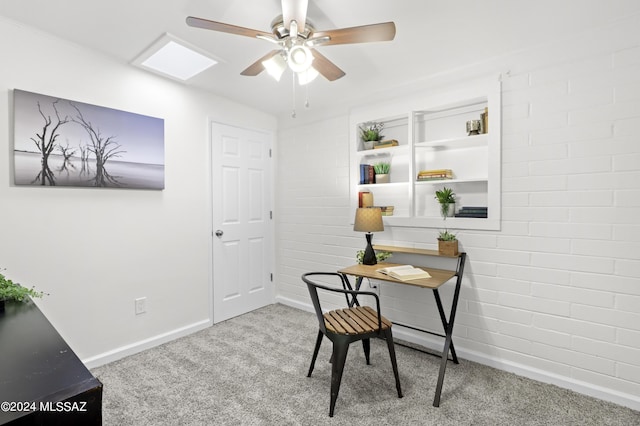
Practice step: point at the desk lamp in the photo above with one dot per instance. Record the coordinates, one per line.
(368, 219)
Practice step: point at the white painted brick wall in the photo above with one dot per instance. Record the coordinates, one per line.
(557, 289)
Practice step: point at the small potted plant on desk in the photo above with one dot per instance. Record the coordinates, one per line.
(14, 291)
(371, 133)
(447, 243)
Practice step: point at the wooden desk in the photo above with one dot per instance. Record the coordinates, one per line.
(438, 278)
(40, 375)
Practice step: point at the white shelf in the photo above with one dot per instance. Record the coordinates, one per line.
(381, 185)
(431, 133)
(463, 142)
(448, 181)
(400, 149)
(438, 223)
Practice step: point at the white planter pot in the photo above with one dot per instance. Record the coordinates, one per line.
(451, 209)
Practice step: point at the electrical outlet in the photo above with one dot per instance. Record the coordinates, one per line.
(141, 305)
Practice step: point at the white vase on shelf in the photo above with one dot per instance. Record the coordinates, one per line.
(367, 144)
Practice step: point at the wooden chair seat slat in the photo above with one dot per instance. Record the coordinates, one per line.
(354, 328)
(368, 316)
(361, 318)
(358, 326)
(336, 324)
(374, 316)
(343, 323)
(357, 320)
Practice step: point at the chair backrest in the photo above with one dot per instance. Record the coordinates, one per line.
(313, 292)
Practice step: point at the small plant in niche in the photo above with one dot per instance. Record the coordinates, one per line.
(371, 132)
(382, 168)
(14, 291)
(445, 197)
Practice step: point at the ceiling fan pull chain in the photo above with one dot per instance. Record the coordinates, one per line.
(306, 101)
(293, 99)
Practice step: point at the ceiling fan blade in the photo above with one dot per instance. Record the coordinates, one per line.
(295, 10)
(328, 69)
(192, 21)
(364, 34)
(257, 67)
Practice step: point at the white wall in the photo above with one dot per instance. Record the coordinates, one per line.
(96, 250)
(554, 295)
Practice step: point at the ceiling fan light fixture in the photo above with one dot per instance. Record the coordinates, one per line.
(275, 66)
(300, 58)
(306, 77)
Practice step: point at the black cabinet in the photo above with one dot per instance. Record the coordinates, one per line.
(42, 381)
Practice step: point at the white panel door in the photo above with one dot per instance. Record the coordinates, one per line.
(242, 237)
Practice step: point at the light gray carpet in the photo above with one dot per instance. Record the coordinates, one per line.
(251, 370)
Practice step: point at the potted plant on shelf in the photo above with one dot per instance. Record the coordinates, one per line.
(447, 199)
(447, 243)
(371, 133)
(382, 172)
(14, 291)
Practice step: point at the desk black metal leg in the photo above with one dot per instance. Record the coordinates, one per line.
(443, 367)
(448, 344)
(445, 324)
(354, 299)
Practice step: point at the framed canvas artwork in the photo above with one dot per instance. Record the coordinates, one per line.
(60, 142)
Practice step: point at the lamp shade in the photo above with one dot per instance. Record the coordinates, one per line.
(368, 219)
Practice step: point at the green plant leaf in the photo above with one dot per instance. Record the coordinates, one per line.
(14, 291)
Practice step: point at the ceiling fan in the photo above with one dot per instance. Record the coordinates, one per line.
(296, 38)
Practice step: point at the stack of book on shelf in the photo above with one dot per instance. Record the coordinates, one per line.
(385, 144)
(386, 210)
(466, 211)
(367, 174)
(365, 199)
(439, 174)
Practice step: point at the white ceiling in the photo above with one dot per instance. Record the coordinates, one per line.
(432, 36)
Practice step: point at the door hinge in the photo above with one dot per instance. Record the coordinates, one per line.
(271, 277)
(271, 214)
(269, 152)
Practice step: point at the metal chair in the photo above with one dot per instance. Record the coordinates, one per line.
(345, 326)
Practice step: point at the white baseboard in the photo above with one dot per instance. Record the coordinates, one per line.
(585, 388)
(308, 307)
(436, 344)
(134, 348)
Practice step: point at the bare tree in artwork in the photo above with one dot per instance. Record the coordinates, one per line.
(46, 143)
(84, 161)
(102, 147)
(67, 152)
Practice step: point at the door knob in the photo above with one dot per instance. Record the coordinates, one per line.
(219, 233)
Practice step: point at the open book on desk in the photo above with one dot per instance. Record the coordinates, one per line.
(404, 272)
